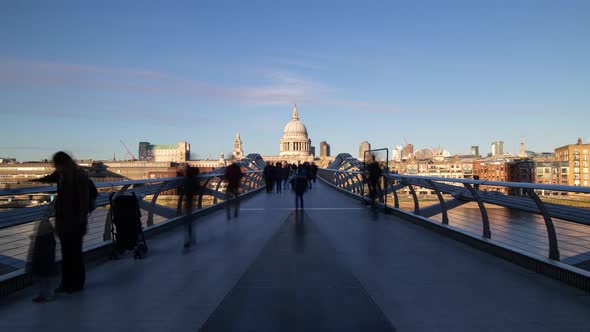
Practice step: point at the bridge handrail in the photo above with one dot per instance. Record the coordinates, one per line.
(19, 216)
(524, 196)
(527, 185)
(106, 184)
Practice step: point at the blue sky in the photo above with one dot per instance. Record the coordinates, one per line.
(81, 76)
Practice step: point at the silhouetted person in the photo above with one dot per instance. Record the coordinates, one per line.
(71, 219)
(300, 186)
(375, 172)
(308, 172)
(42, 259)
(286, 173)
(293, 175)
(233, 177)
(190, 189)
(268, 173)
(314, 171)
(278, 177)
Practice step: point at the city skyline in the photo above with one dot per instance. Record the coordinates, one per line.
(82, 77)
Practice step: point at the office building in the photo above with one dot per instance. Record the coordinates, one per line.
(179, 152)
(497, 148)
(324, 149)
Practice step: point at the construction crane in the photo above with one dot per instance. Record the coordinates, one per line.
(128, 151)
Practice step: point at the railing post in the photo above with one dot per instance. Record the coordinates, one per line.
(353, 183)
(106, 235)
(150, 218)
(416, 203)
(443, 205)
(395, 197)
(484, 214)
(203, 187)
(360, 184)
(219, 182)
(553, 244)
(341, 178)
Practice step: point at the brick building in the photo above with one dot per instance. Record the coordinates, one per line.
(504, 170)
(577, 156)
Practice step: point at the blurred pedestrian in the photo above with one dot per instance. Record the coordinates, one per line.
(314, 171)
(233, 177)
(268, 173)
(292, 176)
(278, 177)
(286, 172)
(300, 186)
(375, 172)
(190, 188)
(73, 203)
(42, 260)
(308, 173)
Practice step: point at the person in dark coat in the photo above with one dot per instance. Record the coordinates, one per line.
(375, 172)
(42, 259)
(300, 186)
(308, 172)
(292, 176)
(71, 219)
(268, 173)
(314, 171)
(233, 177)
(286, 173)
(190, 189)
(278, 177)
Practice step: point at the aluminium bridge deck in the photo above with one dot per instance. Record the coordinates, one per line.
(339, 266)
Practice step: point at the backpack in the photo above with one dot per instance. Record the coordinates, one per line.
(93, 194)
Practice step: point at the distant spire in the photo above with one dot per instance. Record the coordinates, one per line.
(295, 113)
(238, 136)
(522, 148)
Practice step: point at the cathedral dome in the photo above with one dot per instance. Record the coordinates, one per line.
(295, 140)
(295, 129)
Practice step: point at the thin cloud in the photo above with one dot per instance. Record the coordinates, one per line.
(279, 86)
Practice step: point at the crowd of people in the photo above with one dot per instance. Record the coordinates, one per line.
(281, 175)
(76, 198)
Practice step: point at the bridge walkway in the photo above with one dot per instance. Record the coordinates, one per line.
(339, 266)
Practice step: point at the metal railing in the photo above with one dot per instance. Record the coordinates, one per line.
(522, 218)
(17, 225)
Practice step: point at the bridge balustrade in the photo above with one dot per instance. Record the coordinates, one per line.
(18, 225)
(513, 213)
